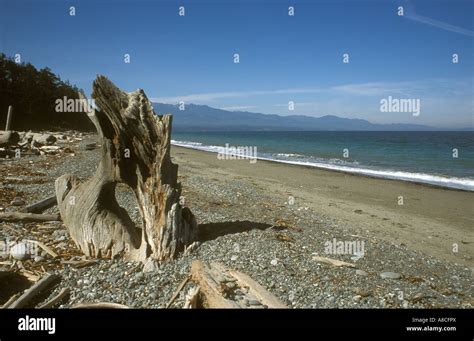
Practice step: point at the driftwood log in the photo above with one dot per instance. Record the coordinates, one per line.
(41, 206)
(28, 217)
(100, 305)
(9, 138)
(215, 291)
(39, 139)
(56, 300)
(44, 285)
(136, 152)
(177, 291)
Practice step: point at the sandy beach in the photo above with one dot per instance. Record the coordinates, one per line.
(271, 221)
(432, 220)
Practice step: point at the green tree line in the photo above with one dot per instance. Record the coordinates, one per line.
(33, 94)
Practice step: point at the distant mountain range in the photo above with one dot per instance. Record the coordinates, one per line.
(204, 118)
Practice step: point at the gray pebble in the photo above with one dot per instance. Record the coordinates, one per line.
(39, 259)
(390, 275)
(20, 251)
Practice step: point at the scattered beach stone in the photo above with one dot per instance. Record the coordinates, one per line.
(314, 285)
(38, 259)
(231, 285)
(362, 292)
(139, 276)
(357, 257)
(234, 257)
(17, 202)
(61, 245)
(150, 265)
(59, 233)
(253, 302)
(390, 275)
(361, 272)
(20, 251)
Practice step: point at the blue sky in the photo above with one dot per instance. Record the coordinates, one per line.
(282, 58)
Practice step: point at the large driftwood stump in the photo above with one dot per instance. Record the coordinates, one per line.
(136, 152)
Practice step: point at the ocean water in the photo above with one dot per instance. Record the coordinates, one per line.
(425, 157)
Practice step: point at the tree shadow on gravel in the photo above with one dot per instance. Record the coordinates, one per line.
(213, 230)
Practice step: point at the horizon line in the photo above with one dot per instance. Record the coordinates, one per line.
(435, 128)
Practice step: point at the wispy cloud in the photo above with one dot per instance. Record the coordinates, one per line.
(299, 104)
(239, 107)
(424, 88)
(374, 88)
(212, 96)
(410, 14)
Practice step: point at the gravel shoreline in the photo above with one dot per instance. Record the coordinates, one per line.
(248, 229)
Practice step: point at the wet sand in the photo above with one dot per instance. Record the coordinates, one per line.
(436, 221)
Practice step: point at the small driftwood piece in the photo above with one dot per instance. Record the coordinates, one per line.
(177, 291)
(56, 300)
(45, 284)
(192, 298)
(32, 277)
(257, 290)
(218, 285)
(28, 217)
(334, 262)
(209, 280)
(79, 263)
(10, 301)
(44, 247)
(9, 118)
(41, 206)
(99, 305)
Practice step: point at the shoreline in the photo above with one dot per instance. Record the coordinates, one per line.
(367, 172)
(247, 223)
(432, 219)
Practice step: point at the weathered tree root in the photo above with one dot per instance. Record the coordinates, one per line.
(136, 152)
